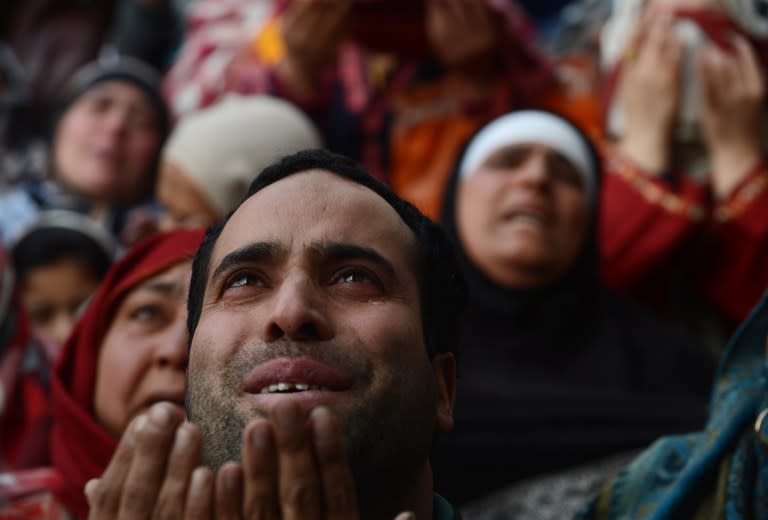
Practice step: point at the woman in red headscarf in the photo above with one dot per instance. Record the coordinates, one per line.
(128, 351)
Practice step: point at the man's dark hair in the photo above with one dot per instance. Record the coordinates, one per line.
(442, 290)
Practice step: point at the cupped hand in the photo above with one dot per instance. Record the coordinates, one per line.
(292, 467)
(153, 471)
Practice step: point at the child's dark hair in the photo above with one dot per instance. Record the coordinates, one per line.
(63, 236)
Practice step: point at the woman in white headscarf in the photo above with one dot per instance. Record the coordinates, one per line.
(555, 370)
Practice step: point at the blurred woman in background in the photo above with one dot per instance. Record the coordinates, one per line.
(104, 147)
(555, 370)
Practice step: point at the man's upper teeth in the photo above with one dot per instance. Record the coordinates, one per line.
(290, 387)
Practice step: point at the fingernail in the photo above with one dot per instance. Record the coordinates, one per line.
(183, 438)
(201, 478)
(160, 415)
(259, 435)
(231, 476)
(90, 487)
(141, 423)
(322, 422)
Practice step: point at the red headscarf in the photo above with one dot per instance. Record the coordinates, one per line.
(80, 447)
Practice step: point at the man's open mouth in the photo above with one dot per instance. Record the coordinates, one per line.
(290, 388)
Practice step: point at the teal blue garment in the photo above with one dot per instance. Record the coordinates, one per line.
(672, 478)
(442, 509)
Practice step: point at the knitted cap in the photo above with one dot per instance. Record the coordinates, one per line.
(221, 149)
(121, 68)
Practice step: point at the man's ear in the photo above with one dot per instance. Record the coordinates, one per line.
(444, 368)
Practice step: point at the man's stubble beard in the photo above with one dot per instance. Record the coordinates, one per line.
(387, 434)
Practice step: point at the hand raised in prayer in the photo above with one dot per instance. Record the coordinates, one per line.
(311, 31)
(648, 91)
(464, 34)
(292, 468)
(154, 471)
(732, 111)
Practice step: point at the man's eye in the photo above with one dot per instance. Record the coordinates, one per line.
(350, 276)
(244, 280)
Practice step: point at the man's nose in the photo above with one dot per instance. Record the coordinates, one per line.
(298, 312)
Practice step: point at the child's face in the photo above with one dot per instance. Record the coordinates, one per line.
(53, 296)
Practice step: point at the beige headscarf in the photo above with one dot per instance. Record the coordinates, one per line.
(221, 149)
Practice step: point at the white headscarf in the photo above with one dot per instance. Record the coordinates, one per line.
(533, 126)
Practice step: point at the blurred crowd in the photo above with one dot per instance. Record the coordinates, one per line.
(599, 165)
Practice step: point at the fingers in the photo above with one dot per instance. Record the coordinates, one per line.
(709, 64)
(654, 40)
(199, 503)
(315, 22)
(103, 495)
(663, 42)
(229, 491)
(337, 480)
(730, 79)
(750, 70)
(296, 467)
(260, 471)
(154, 432)
(184, 458)
(731, 112)
(299, 486)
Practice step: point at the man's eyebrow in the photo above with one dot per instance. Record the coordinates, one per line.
(338, 251)
(255, 252)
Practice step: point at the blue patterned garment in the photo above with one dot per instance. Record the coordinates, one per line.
(718, 473)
